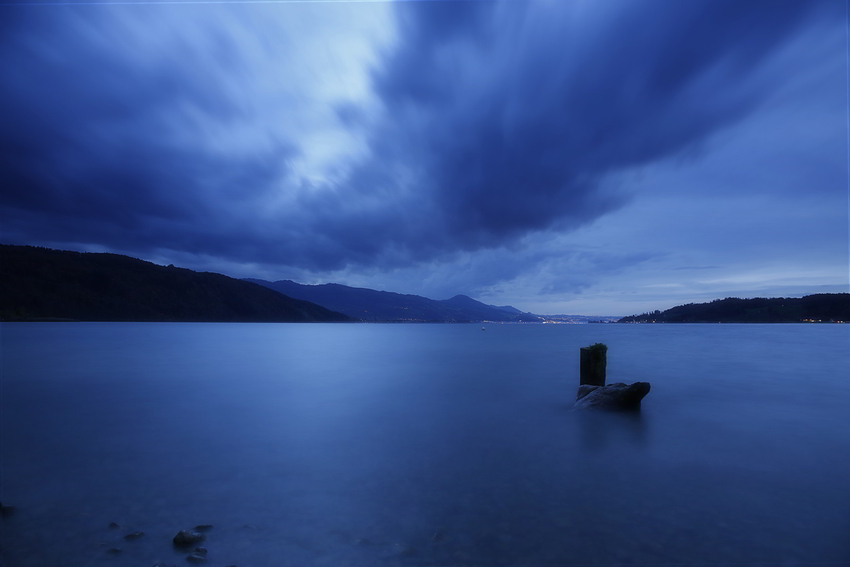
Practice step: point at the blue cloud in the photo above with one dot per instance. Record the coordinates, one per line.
(494, 121)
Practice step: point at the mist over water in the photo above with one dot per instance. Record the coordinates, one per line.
(354, 444)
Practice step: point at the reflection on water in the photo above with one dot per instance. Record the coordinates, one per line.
(422, 444)
(600, 431)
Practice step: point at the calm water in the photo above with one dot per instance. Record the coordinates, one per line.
(430, 445)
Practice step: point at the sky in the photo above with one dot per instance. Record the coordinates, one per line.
(596, 157)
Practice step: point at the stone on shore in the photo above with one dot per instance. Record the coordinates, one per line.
(186, 538)
(618, 396)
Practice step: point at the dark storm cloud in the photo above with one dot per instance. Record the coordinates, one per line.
(88, 142)
(518, 110)
(499, 120)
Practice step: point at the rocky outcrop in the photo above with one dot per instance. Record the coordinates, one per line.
(618, 397)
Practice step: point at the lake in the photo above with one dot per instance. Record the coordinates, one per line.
(434, 445)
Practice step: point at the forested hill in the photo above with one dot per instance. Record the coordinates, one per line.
(823, 307)
(39, 283)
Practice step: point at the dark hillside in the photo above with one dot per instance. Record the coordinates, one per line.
(818, 307)
(39, 283)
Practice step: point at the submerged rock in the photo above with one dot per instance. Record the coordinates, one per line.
(134, 535)
(402, 550)
(203, 527)
(196, 558)
(6, 511)
(617, 396)
(186, 538)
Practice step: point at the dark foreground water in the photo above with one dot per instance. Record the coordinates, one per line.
(436, 445)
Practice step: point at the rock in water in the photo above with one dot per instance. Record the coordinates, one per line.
(186, 538)
(617, 396)
(584, 390)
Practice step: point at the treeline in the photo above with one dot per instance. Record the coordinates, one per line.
(44, 284)
(818, 307)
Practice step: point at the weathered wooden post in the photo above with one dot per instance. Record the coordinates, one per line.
(594, 359)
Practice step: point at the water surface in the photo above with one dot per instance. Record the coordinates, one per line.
(348, 444)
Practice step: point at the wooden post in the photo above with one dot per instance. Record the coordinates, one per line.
(594, 359)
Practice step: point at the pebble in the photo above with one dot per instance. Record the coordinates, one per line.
(186, 538)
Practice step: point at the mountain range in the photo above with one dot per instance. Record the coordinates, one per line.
(372, 305)
(44, 284)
